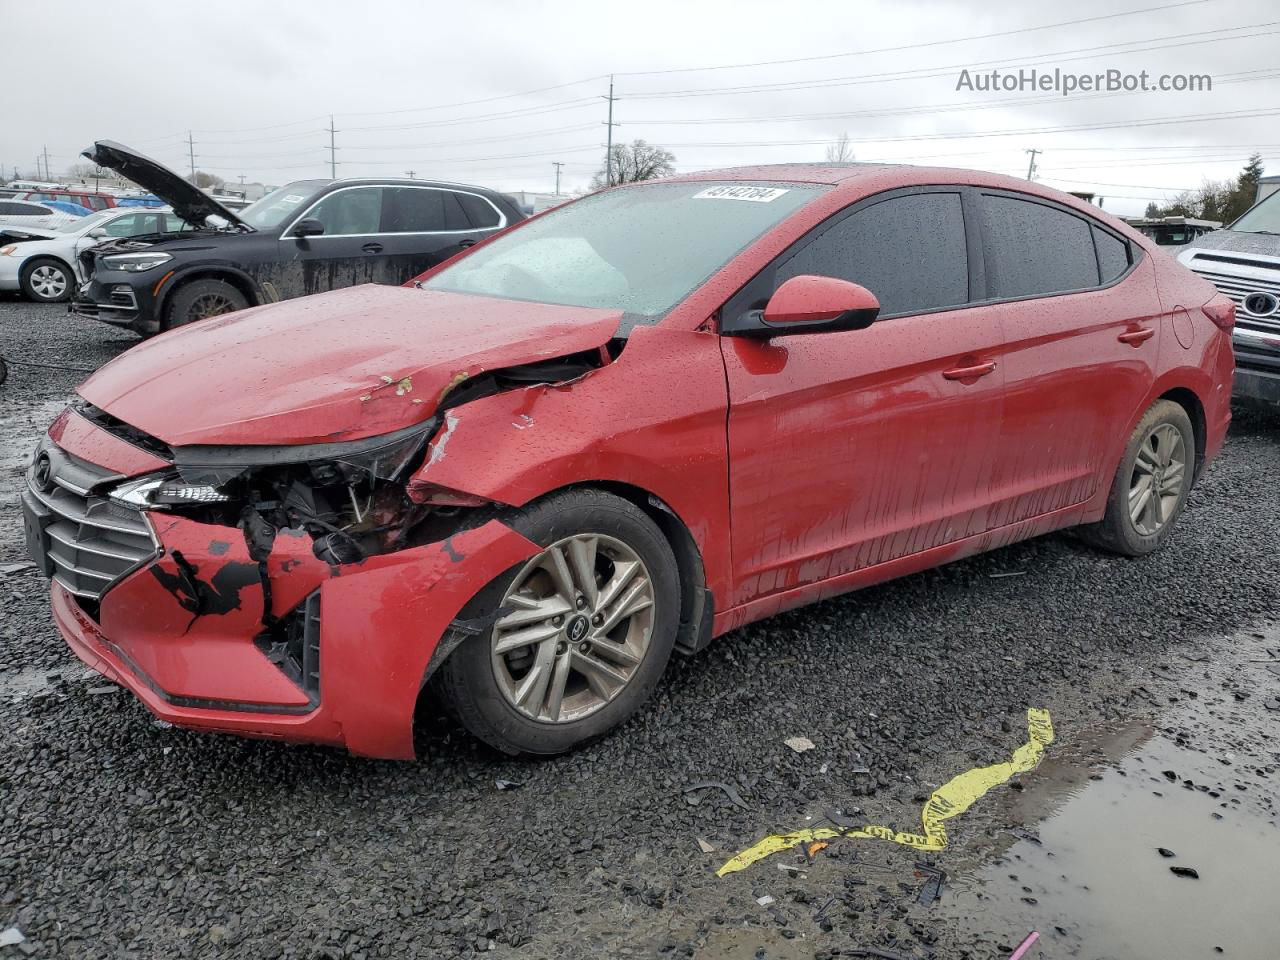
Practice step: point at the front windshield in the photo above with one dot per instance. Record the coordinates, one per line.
(639, 249)
(280, 204)
(85, 223)
(1262, 217)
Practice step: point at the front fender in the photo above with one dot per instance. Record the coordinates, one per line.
(653, 419)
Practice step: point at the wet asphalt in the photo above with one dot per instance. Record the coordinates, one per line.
(120, 837)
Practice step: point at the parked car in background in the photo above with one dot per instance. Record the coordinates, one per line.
(90, 199)
(1243, 261)
(44, 268)
(1172, 231)
(641, 420)
(22, 215)
(66, 206)
(305, 237)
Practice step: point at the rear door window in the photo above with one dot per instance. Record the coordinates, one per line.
(354, 210)
(908, 250)
(1033, 249)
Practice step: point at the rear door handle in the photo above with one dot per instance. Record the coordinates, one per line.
(372, 248)
(1137, 337)
(970, 373)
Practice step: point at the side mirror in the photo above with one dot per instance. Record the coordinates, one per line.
(809, 304)
(307, 228)
(98, 233)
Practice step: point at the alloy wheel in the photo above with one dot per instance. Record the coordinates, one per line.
(48, 282)
(573, 628)
(210, 305)
(1159, 475)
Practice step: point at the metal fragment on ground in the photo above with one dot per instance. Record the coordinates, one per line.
(799, 744)
(729, 791)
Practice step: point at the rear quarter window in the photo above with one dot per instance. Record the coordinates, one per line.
(1033, 249)
(1113, 255)
(482, 214)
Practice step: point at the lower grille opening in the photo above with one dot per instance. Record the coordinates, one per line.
(293, 645)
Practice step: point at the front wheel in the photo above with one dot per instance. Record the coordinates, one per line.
(581, 632)
(201, 299)
(46, 280)
(1151, 484)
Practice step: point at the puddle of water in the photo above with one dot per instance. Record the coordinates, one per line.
(1087, 872)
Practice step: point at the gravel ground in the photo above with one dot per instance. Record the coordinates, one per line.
(122, 838)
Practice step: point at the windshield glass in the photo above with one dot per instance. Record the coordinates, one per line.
(85, 223)
(639, 249)
(1262, 217)
(280, 204)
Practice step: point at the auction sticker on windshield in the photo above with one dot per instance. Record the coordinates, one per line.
(740, 192)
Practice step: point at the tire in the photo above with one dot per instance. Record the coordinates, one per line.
(1164, 431)
(480, 684)
(47, 280)
(201, 299)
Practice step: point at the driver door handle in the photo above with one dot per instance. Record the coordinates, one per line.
(372, 248)
(970, 373)
(467, 243)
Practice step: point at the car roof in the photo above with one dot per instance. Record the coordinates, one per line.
(861, 179)
(406, 182)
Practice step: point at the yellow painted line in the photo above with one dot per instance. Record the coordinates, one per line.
(950, 800)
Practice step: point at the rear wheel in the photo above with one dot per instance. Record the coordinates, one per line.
(581, 632)
(201, 299)
(1151, 484)
(47, 280)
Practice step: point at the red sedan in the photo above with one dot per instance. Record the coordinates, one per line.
(619, 429)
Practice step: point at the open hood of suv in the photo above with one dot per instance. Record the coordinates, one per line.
(188, 201)
(336, 366)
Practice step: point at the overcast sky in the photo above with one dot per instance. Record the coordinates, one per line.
(256, 82)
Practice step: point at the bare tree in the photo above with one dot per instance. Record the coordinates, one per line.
(634, 162)
(841, 151)
(208, 180)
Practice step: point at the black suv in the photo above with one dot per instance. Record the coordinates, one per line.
(305, 237)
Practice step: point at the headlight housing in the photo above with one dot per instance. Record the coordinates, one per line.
(135, 262)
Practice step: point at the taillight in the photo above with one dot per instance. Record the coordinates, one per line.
(1222, 312)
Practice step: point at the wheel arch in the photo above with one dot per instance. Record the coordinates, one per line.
(1190, 401)
(237, 278)
(30, 264)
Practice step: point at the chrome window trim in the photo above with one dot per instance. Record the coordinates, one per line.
(502, 217)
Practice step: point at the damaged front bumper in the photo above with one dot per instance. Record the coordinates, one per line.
(340, 657)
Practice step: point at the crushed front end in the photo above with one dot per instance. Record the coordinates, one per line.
(289, 592)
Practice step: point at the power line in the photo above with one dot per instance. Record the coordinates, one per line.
(910, 46)
(921, 73)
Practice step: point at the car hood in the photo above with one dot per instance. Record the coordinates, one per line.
(337, 366)
(187, 200)
(1238, 241)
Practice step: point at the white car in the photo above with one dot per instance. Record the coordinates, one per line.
(23, 215)
(47, 270)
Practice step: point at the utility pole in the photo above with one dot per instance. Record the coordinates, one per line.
(1031, 167)
(191, 154)
(557, 164)
(333, 151)
(608, 150)
(45, 151)
(410, 173)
